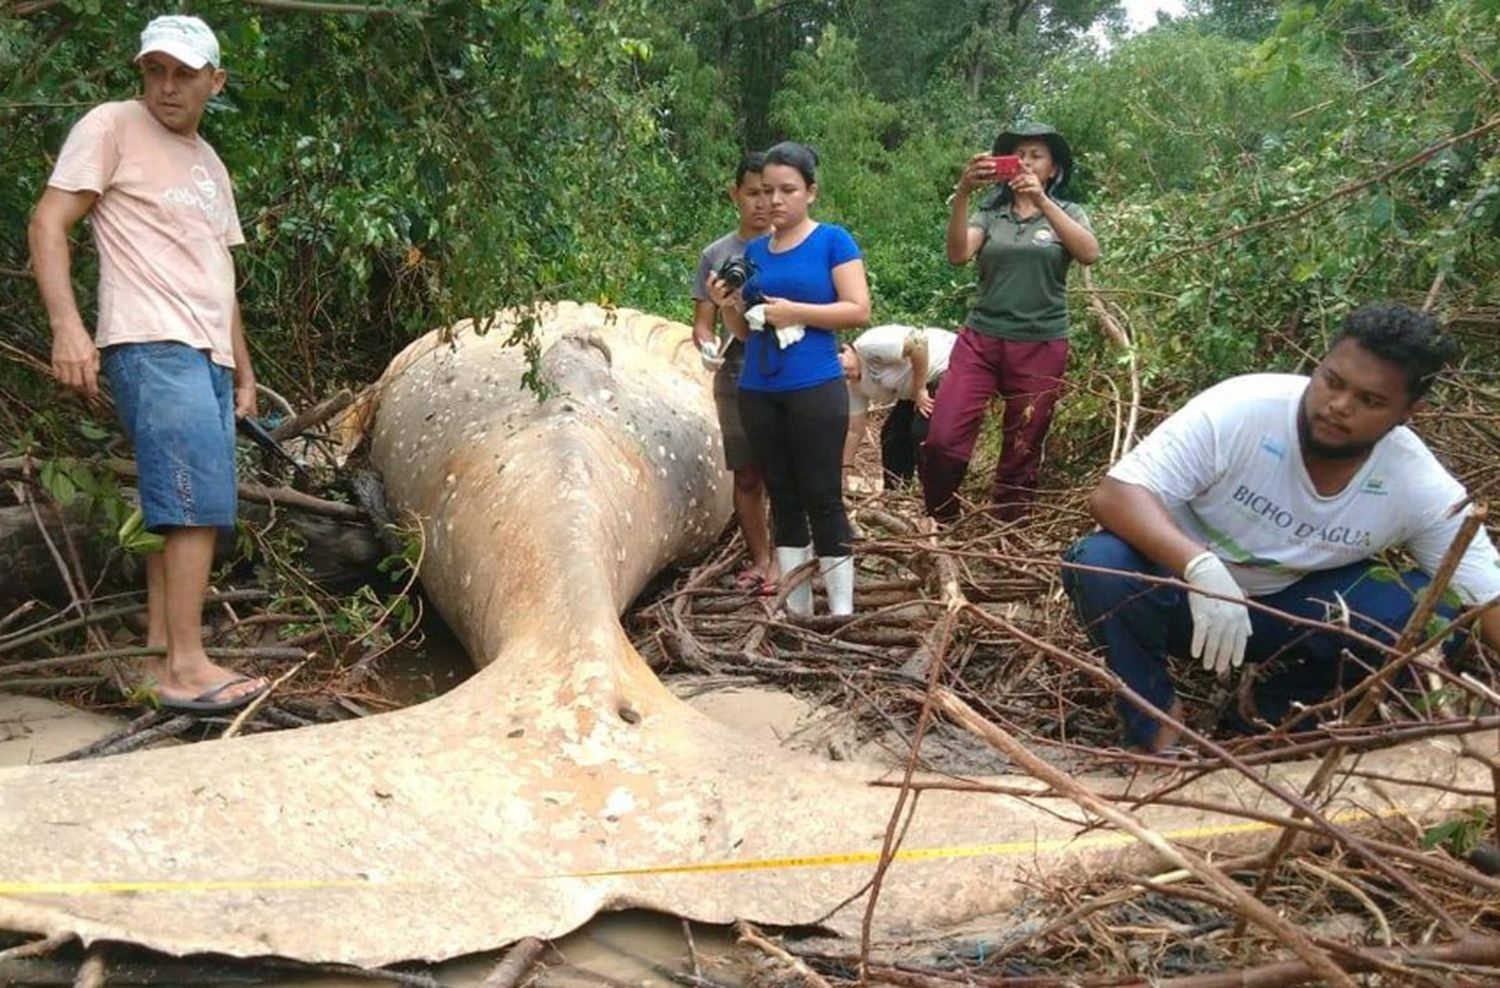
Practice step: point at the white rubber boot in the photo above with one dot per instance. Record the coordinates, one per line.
(838, 581)
(788, 558)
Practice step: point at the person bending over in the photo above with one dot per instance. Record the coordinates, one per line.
(809, 282)
(1281, 489)
(900, 366)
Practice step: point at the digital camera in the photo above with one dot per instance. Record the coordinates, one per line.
(734, 272)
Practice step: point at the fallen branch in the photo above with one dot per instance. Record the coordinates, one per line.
(752, 936)
(1245, 904)
(313, 417)
(1374, 689)
(37, 948)
(133, 740)
(515, 965)
(314, 7)
(1473, 951)
(269, 653)
(243, 717)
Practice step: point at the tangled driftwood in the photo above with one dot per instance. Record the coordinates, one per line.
(564, 779)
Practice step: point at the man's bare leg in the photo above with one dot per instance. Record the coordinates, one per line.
(176, 591)
(156, 601)
(750, 508)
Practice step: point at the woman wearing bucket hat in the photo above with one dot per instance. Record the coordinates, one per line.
(1015, 340)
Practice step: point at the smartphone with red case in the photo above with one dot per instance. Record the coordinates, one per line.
(1007, 166)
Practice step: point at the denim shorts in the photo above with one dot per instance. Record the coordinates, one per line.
(177, 407)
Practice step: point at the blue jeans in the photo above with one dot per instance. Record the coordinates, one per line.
(177, 407)
(1139, 624)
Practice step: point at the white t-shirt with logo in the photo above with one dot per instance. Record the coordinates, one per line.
(885, 375)
(1229, 468)
(164, 222)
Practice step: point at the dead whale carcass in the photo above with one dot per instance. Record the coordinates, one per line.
(563, 779)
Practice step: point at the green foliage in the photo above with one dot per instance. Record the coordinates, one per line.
(1460, 835)
(396, 173)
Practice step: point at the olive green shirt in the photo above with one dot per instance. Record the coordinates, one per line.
(1023, 275)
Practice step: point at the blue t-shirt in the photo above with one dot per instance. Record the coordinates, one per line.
(802, 274)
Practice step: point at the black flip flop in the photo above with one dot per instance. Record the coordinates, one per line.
(204, 703)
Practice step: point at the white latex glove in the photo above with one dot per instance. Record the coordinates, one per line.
(708, 352)
(1220, 627)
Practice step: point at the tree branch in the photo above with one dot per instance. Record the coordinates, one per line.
(311, 7)
(1346, 191)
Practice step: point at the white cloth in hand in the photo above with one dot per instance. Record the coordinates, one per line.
(755, 318)
(1220, 627)
(709, 352)
(787, 335)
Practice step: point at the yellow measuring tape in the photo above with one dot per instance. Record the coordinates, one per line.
(998, 850)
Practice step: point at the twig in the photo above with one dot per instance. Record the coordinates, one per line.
(95, 617)
(1117, 334)
(17, 614)
(313, 417)
(687, 934)
(1354, 891)
(1245, 904)
(36, 948)
(1432, 291)
(134, 741)
(1343, 192)
(76, 594)
(236, 725)
(255, 493)
(752, 936)
(1363, 847)
(91, 972)
(1415, 626)
(313, 7)
(1478, 951)
(267, 652)
(890, 842)
(518, 960)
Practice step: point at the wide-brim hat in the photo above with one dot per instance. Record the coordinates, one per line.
(1032, 130)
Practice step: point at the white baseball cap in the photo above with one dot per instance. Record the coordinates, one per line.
(186, 39)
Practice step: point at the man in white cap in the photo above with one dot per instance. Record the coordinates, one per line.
(168, 331)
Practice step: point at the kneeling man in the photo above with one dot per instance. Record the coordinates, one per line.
(1280, 488)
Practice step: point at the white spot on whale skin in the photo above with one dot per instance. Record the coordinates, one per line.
(620, 801)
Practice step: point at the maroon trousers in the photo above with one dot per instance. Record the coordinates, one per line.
(1028, 379)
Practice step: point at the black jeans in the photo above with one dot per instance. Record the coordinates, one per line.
(901, 438)
(798, 436)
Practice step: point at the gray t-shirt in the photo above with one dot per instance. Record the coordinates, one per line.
(715, 254)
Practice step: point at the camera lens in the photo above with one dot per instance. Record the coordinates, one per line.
(734, 272)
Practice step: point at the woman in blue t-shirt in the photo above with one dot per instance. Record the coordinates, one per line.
(808, 282)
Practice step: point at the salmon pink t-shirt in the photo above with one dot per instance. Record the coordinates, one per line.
(164, 222)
